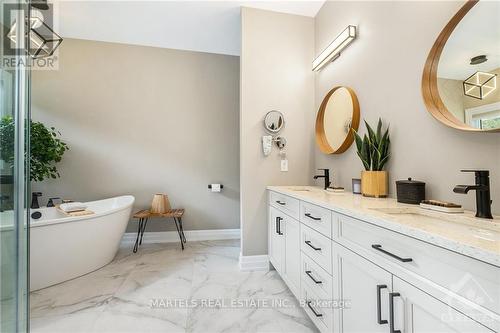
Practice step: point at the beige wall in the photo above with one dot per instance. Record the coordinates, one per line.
(142, 120)
(276, 54)
(452, 94)
(384, 66)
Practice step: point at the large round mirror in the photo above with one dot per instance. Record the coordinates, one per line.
(459, 83)
(274, 121)
(337, 115)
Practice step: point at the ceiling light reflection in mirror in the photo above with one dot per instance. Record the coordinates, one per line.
(469, 67)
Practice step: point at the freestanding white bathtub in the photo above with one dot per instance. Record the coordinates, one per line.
(62, 248)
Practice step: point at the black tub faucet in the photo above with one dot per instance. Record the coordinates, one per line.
(326, 176)
(482, 188)
(34, 200)
(50, 203)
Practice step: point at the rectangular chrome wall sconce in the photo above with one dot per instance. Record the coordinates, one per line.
(480, 84)
(333, 50)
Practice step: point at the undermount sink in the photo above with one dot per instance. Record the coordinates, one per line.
(413, 213)
(300, 189)
(399, 210)
(419, 215)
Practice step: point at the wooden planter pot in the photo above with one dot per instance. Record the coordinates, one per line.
(374, 184)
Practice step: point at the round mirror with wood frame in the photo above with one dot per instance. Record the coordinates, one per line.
(430, 82)
(337, 115)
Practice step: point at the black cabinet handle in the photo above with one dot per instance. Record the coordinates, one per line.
(379, 311)
(280, 203)
(378, 247)
(276, 227)
(391, 312)
(312, 277)
(314, 311)
(314, 248)
(279, 225)
(312, 217)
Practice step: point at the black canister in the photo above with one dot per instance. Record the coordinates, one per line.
(410, 191)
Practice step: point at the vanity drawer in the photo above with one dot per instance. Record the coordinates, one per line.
(316, 277)
(285, 203)
(317, 246)
(318, 309)
(317, 218)
(464, 276)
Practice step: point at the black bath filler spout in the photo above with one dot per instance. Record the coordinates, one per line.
(482, 188)
(34, 200)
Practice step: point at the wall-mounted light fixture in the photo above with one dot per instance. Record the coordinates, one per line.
(333, 50)
(480, 84)
(43, 40)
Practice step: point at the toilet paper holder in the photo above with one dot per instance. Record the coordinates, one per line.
(210, 186)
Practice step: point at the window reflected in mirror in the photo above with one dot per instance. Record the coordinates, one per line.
(469, 68)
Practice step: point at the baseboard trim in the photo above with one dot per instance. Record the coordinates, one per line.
(254, 263)
(173, 236)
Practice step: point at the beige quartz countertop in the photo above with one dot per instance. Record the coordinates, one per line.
(462, 233)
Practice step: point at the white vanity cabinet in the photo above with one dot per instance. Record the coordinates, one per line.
(284, 247)
(365, 287)
(386, 280)
(378, 301)
(417, 312)
(276, 243)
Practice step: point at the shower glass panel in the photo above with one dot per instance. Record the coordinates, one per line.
(14, 115)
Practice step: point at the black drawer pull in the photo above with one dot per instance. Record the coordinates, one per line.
(312, 217)
(378, 247)
(312, 277)
(314, 311)
(314, 248)
(391, 312)
(280, 202)
(379, 311)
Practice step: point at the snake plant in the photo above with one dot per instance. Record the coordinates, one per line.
(373, 148)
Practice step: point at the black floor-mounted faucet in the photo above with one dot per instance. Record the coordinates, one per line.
(482, 188)
(326, 176)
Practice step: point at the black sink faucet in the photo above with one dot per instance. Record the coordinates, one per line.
(34, 200)
(482, 188)
(326, 176)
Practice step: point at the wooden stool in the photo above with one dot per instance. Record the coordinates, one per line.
(145, 215)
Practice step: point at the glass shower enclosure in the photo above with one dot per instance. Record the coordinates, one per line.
(14, 179)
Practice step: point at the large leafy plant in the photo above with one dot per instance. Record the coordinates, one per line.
(373, 148)
(46, 148)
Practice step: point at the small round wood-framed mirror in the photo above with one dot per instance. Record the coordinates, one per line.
(459, 81)
(337, 115)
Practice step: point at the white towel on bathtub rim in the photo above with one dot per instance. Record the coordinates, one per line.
(72, 206)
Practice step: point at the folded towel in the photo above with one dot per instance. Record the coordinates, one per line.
(78, 213)
(72, 206)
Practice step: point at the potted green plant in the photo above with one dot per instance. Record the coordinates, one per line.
(373, 150)
(46, 148)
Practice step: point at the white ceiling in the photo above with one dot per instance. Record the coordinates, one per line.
(478, 33)
(205, 26)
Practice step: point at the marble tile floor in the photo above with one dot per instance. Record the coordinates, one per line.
(193, 290)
